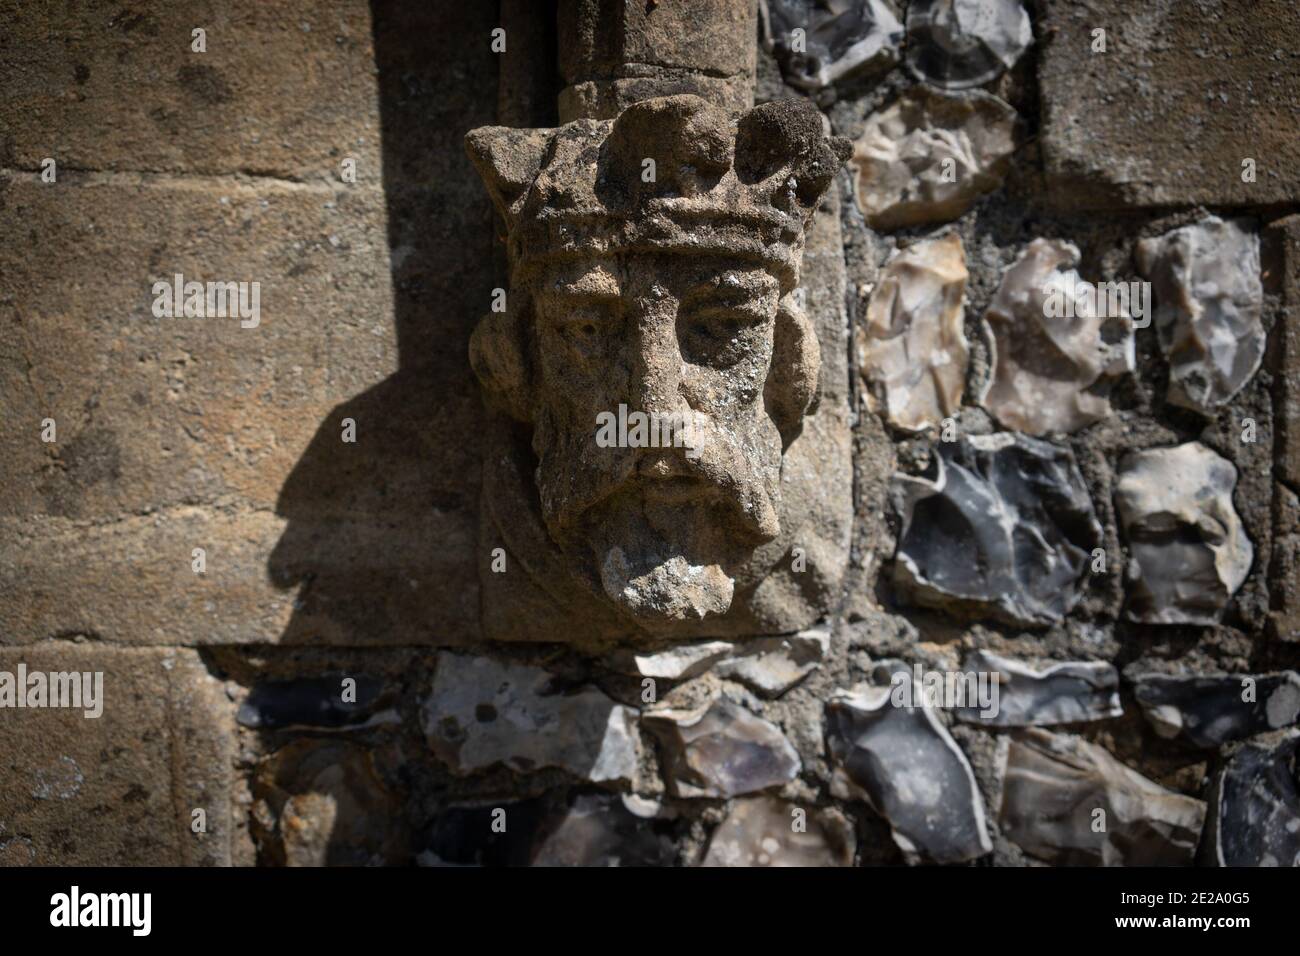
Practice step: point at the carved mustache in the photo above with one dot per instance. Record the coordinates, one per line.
(716, 470)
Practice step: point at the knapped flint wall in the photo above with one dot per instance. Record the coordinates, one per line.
(350, 582)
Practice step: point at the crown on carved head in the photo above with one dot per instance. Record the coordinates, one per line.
(673, 174)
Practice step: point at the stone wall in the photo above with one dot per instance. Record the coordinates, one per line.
(265, 537)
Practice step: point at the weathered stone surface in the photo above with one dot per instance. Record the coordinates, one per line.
(1208, 298)
(912, 347)
(1056, 347)
(318, 703)
(906, 765)
(927, 157)
(1003, 528)
(963, 43)
(482, 712)
(282, 89)
(1211, 711)
(1188, 551)
(614, 54)
(331, 579)
(597, 830)
(154, 412)
(1168, 113)
(162, 747)
(772, 665)
(177, 433)
(1058, 790)
(760, 831)
(838, 40)
(323, 803)
(1067, 693)
(1284, 569)
(720, 749)
(1285, 236)
(1255, 807)
(633, 538)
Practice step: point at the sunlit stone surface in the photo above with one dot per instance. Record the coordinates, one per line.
(482, 712)
(839, 39)
(912, 348)
(1188, 551)
(1055, 347)
(963, 43)
(1208, 298)
(927, 157)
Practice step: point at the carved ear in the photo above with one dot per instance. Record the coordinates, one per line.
(508, 161)
(791, 384)
(496, 353)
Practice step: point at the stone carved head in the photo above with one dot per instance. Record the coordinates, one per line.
(653, 264)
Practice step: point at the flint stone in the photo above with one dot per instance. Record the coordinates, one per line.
(322, 803)
(1004, 529)
(482, 712)
(1256, 818)
(721, 750)
(902, 156)
(772, 665)
(1066, 693)
(1050, 370)
(759, 832)
(906, 765)
(1208, 298)
(963, 43)
(912, 349)
(1052, 786)
(597, 830)
(315, 702)
(676, 663)
(1188, 551)
(1210, 711)
(840, 39)
(464, 836)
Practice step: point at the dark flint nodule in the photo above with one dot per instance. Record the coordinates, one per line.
(1256, 807)
(310, 702)
(1002, 528)
(1209, 711)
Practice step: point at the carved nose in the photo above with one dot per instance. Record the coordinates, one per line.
(656, 381)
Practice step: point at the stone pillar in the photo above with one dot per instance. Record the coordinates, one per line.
(1284, 240)
(617, 52)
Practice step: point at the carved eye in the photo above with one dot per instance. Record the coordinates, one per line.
(719, 334)
(585, 327)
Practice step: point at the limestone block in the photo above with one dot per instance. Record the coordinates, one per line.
(1169, 112)
(119, 789)
(283, 88)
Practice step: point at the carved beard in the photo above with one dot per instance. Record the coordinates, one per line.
(661, 535)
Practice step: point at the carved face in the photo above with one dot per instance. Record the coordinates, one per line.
(659, 530)
(652, 260)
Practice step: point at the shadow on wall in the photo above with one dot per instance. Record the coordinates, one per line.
(381, 532)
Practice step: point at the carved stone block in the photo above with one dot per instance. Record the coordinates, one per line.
(666, 449)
